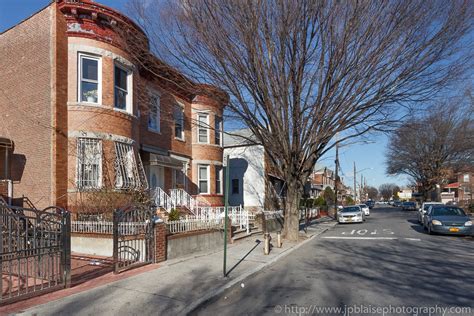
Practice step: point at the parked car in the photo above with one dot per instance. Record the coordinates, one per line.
(424, 208)
(409, 206)
(365, 209)
(446, 219)
(370, 204)
(351, 214)
(397, 203)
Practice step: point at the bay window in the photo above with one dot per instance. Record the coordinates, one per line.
(89, 163)
(203, 179)
(203, 128)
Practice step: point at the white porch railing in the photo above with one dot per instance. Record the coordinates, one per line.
(192, 223)
(162, 199)
(103, 227)
(239, 216)
(180, 197)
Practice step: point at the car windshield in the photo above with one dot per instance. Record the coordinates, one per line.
(448, 211)
(362, 205)
(350, 209)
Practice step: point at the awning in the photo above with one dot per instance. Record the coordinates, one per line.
(454, 185)
(165, 161)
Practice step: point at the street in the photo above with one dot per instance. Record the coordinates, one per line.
(388, 263)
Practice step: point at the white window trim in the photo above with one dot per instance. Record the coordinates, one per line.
(220, 177)
(81, 56)
(129, 99)
(219, 129)
(99, 180)
(155, 130)
(205, 127)
(182, 138)
(207, 179)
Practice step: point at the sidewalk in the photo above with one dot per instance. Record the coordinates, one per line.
(176, 286)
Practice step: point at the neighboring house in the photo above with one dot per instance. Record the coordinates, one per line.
(319, 180)
(461, 191)
(252, 184)
(405, 194)
(84, 117)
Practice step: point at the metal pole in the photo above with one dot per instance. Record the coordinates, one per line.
(336, 175)
(226, 205)
(355, 192)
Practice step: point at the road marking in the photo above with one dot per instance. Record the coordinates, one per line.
(413, 239)
(355, 237)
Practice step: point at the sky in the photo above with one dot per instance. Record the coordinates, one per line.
(369, 158)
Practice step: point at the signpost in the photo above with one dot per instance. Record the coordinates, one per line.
(226, 205)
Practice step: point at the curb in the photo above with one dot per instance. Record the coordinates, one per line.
(209, 295)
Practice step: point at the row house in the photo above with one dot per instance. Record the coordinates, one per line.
(319, 180)
(460, 189)
(81, 116)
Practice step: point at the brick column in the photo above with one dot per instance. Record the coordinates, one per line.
(160, 242)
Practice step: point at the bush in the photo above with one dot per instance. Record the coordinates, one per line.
(320, 201)
(174, 215)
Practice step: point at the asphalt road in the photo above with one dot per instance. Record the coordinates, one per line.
(387, 265)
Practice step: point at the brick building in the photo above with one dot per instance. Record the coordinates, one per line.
(320, 179)
(84, 117)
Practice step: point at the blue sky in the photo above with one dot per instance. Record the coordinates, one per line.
(368, 157)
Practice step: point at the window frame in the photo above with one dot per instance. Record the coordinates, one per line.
(201, 127)
(180, 107)
(79, 163)
(218, 170)
(218, 130)
(157, 114)
(81, 56)
(200, 179)
(129, 91)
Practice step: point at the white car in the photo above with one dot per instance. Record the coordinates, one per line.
(351, 214)
(365, 209)
(424, 208)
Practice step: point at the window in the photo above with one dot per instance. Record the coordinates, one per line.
(465, 177)
(89, 78)
(122, 85)
(235, 186)
(154, 117)
(203, 128)
(218, 130)
(218, 170)
(89, 163)
(203, 178)
(178, 122)
(126, 168)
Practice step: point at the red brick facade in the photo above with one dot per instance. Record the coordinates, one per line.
(46, 114)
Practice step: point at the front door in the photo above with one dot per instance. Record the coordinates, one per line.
(156, 177)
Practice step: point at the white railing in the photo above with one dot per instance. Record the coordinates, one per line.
(192, 223)
(180, 197)
(103, 227)
(162, 199)
(273, 214)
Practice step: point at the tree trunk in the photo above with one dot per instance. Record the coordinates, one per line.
(292, 222)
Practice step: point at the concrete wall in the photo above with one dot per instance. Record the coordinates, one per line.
(182, 245)
(92, 245)
(247, 164)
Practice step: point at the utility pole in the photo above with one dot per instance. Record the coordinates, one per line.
(226, 217)
(355, 192)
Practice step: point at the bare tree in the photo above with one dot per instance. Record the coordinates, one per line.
(387, 190)
(428, 148)
(298, 72)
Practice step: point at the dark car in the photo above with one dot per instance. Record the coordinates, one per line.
(397, 203)
(409, 206)
(446, 219)
(370, 204)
